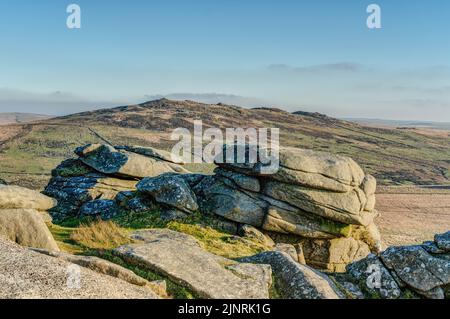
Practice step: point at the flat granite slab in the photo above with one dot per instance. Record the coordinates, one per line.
(180, 257)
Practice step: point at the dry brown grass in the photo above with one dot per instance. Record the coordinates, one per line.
(100, 235)
(411, 217)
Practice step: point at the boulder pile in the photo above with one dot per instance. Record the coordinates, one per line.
(23, 215)
(323, 204)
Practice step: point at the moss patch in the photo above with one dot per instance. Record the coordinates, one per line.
(203, 228)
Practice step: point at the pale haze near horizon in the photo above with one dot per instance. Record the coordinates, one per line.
(294, 55)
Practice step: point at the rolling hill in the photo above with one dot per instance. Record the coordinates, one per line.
(29, 151)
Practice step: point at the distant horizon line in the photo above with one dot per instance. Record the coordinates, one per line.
(162, 97)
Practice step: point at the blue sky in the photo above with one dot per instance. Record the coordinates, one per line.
(299, 55)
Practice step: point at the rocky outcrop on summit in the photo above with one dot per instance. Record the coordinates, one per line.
(22, 213)
(420, 269)
(181, 258)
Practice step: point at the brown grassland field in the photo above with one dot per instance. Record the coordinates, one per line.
(406, 162)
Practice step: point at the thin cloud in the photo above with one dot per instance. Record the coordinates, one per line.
(332, 67)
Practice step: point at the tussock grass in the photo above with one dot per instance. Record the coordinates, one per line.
(100, 235)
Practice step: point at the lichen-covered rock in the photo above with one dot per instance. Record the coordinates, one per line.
(72, 167)
(12, 197)
(311, 196)
(170, 189)
(432, 248)
(418, 269)
(72, 192)
(443, 241)
(401, 272)
(296, 281)
(135, 202)
(109, 160)
(27, 228)
(181, 258)
(103, 208)
(373, 277)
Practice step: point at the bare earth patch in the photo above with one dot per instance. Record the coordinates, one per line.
(411, 215)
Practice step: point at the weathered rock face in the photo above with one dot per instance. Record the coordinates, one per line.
(342, 207)
(22, 217)
(216, 197)
(419, 270)
(12, 197)
(27, 228)
(117, 161)
(170, 189)
(286, 219)
(30, 275)
(180, 257)
(422, 269)
(296, 281)
(335, 254)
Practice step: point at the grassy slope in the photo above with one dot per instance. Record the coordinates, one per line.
(394, 156)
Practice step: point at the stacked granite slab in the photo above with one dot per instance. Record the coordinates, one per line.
(324, 202)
